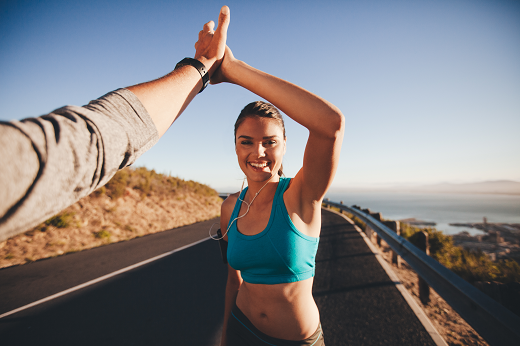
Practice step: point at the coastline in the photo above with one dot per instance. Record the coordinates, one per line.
(478, 222)
(442, 209)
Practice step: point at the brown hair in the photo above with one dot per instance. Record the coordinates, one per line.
(260, 109)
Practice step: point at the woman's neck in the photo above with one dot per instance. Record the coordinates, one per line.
(264, 190)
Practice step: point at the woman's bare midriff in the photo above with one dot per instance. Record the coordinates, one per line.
(283, 311)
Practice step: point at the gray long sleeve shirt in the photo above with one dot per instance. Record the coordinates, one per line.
(50, 162)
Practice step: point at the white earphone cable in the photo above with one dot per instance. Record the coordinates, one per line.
(241, 216)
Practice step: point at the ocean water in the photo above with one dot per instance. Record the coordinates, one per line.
(437, 207)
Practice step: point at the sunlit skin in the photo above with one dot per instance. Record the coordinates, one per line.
(285, 311)
(260, 146)
(273, 309)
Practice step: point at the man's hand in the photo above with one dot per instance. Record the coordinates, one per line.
(166, 98)
(221, 74)
(211, 45)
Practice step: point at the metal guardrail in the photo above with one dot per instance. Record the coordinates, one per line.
(495, 323)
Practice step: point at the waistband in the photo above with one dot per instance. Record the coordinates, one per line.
(256, 337)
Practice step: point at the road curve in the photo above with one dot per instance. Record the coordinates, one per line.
(179, 299)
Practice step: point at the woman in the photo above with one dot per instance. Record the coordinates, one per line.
(273, 226)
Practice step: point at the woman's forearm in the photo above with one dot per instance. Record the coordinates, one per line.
(230, 298)
(316, 114)
(323, 120)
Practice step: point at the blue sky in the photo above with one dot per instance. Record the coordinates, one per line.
(430, 89)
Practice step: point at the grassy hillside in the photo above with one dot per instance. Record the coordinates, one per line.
(134, 203)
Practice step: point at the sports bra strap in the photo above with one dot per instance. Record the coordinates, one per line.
(278, 196)
(238, 205)
(280, 190)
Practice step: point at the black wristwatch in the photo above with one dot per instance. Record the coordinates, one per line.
(199, 66)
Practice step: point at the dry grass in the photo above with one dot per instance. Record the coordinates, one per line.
(104, 218)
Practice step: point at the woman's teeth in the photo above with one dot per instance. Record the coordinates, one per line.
(258, 165)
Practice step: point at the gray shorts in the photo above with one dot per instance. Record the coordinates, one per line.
(241, 332)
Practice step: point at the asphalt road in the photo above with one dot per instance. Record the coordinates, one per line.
(359, 304)
(179, 299)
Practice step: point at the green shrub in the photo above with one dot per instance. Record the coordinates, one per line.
(472, 266)
(100, 192)
(337, 210)
(59, 221)
(115, 188)
(102, 234)
(440, 244)
(357, 221)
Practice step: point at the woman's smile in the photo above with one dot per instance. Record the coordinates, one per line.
(259, 165)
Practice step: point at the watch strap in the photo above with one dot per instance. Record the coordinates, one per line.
(199, 66)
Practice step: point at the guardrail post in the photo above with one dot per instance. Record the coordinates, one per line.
(424, 289)
(378, 217)
(341, 210)
(369, 231)
(396, 227)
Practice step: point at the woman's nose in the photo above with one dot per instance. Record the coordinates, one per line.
(260, 150)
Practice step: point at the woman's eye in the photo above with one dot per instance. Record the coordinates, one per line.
(271, 143)
(245, 142)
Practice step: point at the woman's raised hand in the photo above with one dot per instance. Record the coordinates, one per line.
(211, 45)
(221, 74)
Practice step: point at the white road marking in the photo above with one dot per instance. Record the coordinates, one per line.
(104, 277)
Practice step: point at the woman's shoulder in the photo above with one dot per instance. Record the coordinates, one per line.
(226, 209)
(229, 202)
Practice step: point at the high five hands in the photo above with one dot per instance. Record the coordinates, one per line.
(211, 45)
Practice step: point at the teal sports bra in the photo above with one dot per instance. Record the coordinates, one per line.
(278, 254)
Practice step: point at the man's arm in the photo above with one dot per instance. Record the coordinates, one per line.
(50, 162)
